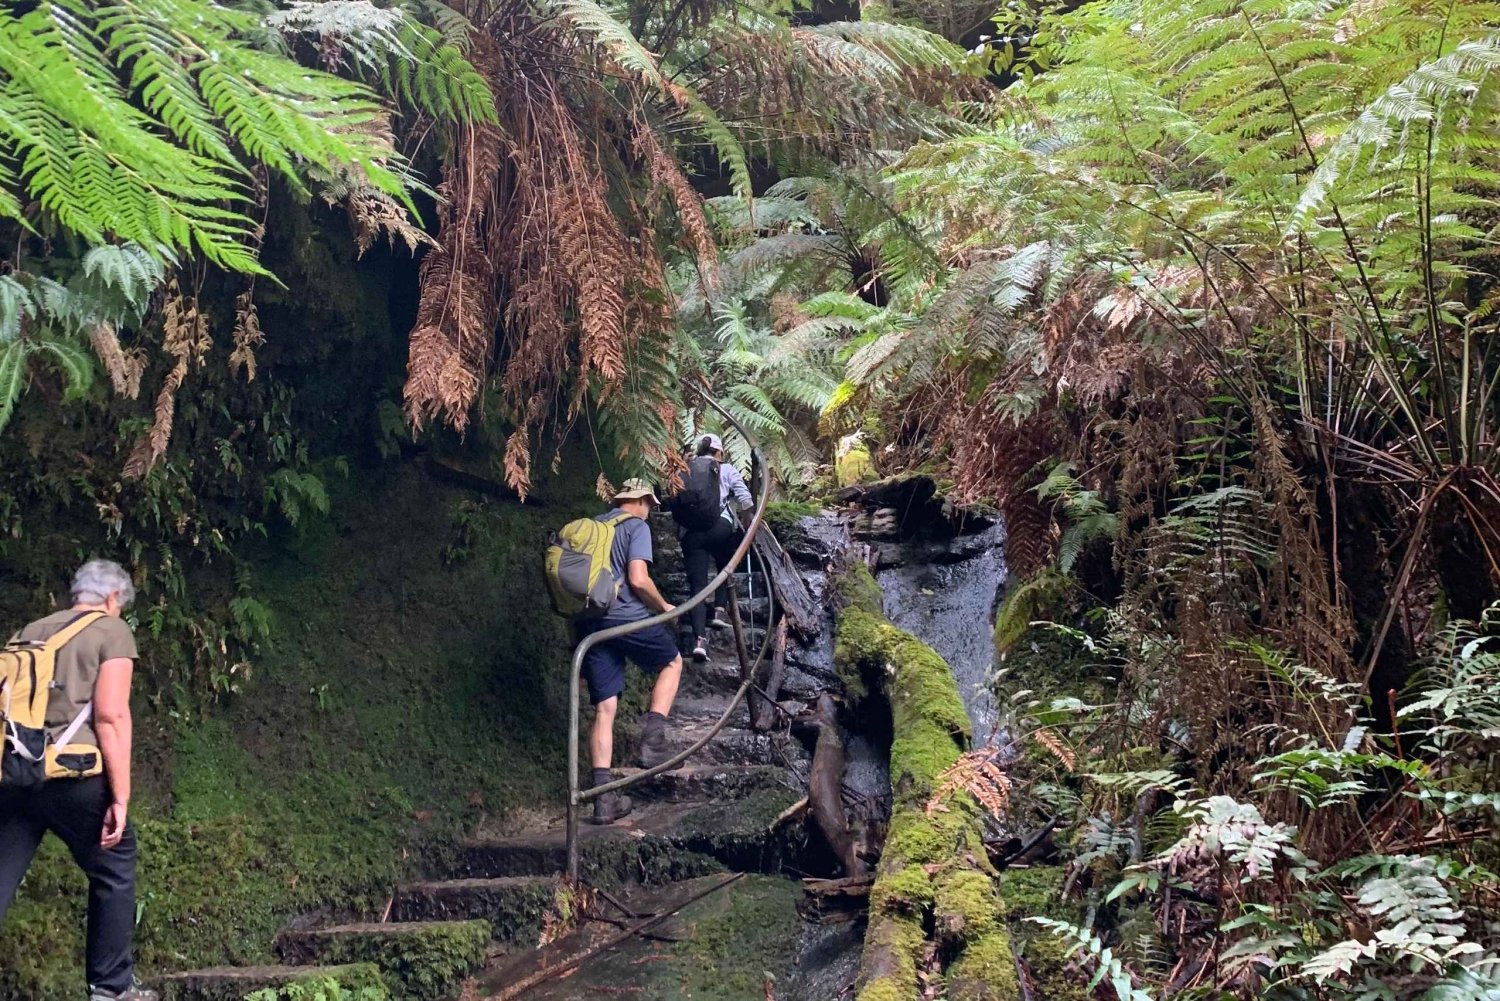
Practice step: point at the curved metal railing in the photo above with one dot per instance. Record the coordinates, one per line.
(578, 797)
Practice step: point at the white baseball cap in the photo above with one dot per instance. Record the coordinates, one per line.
(713, 442)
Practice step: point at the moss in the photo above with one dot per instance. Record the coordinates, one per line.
(986, 971)
(854, 466)
(905, 891)
(934, 871)
(893, 946)
(1038, 893)
(421, 963)
(965, 904)
(753, 927)
(785, 518)
(856, 589)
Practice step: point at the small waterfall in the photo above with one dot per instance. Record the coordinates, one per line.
(944, 592)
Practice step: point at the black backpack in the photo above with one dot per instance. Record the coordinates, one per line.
(696, 506)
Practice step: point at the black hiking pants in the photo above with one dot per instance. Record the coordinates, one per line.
(74, 809)
(700, 550)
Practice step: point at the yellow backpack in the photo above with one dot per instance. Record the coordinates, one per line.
(579, 573)
(27, 669)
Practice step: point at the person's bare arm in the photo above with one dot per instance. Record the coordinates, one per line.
(644, 587)
(113, 725)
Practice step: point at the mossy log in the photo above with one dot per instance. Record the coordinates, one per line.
(934, 885)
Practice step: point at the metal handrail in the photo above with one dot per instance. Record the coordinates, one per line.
(576, 796)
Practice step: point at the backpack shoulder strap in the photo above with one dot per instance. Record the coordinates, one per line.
(615, 520)
(69, 632)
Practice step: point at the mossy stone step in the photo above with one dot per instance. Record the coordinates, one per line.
(514, 906)
(706, 782)
(659, 843)
(233, 983)
(420, 960)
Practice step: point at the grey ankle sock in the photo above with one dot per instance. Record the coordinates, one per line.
(601, 776)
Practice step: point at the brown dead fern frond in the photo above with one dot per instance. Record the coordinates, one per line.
(124, 369)
(247, 336)
(1057, 748)
(977, 774)
(185, 337)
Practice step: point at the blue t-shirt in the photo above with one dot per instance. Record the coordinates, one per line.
(632, 542)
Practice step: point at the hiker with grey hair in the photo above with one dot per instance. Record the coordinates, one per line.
(708, 512)
(73, 779)
(651, 649)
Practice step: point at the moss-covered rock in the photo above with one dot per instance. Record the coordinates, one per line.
(854, 464)
(422, 962)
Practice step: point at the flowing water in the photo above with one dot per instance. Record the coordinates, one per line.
(944, 592)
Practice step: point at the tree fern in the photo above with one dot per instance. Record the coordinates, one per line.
(169, 173)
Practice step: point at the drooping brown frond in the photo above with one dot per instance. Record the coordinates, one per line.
(667, 172)
(124, 370)
(247, 336)
(185, 337)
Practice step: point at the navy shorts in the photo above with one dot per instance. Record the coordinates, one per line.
(650, 649)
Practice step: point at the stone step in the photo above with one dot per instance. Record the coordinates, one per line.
(737, 746)
(423, 960)
(233, 983)
(515, 906)
(705, 782)
(656, 844)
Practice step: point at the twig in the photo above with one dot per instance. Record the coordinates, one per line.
(788, 813)
(558, 969)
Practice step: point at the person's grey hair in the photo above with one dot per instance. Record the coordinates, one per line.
(96, 580)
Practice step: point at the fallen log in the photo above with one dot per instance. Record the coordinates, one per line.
(825, 785)
(935, 910)
(834, 901)
(793, 598)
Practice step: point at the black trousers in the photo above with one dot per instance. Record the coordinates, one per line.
(700, 549)
(73, 809)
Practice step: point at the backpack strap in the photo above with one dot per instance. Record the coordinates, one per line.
(84, 715)
(615, 520)
(70, 632)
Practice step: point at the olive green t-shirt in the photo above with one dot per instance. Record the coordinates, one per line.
(78, 666)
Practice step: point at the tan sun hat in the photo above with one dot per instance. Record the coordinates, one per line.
(636, 489)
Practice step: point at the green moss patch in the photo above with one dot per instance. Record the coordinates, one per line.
(1038, 893)
(355, 982)
(421, 962)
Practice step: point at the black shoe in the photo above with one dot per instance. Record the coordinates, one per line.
(607, 809)
(133, 993)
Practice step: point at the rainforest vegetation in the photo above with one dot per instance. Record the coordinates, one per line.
(1201, 297)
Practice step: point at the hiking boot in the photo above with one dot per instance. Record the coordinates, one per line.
(721, 620)
(135, 992)
(700, 651)
(607, 809)
(654, 748)
(612, 805)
